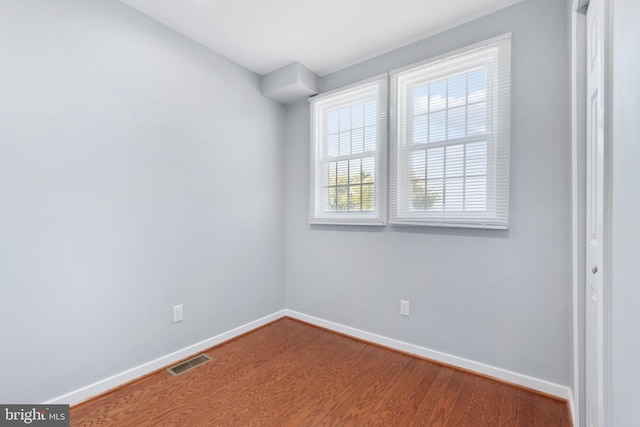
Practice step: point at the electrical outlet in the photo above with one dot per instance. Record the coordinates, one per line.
(178, 313)
(404, 308)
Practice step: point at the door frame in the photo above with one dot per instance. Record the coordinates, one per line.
(578, 178)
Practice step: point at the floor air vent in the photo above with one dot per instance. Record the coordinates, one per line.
(187, 365)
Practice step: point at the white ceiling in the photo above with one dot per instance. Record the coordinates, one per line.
(323, 35)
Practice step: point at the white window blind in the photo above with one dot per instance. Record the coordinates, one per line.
(450, 131)
(348, 155)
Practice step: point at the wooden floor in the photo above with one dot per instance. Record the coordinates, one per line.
(292, 374)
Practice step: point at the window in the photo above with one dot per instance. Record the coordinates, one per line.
(348, 155)
(450, 139)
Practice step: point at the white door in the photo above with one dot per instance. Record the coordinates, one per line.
(595, 344)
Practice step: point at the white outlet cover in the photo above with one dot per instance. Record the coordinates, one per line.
(178, 313)
(404, 308)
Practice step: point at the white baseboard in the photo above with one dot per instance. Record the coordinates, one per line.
(543, 386)
(114, 381)
(106, 384)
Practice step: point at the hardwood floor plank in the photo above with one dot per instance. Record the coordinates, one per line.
(495, 399)
(544, 410)
(552, 411)
(527, 412)
(410, 397)
(431, 399)
(565, 419)
(446, 402)
(397, 392)
(275, 398)
(292, 374)
(463, 402)
(547, 411)
(377, 388)
(341, 387)
(478, 403)
(510, 407)
(310, 399)
(363, 389)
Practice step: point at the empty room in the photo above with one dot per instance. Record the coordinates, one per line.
(287, 213)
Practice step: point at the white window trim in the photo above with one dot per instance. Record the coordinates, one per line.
(496, 216)
(319, 105)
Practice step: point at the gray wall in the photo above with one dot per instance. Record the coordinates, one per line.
(502, 298)
(126, 188)
(625, 239)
